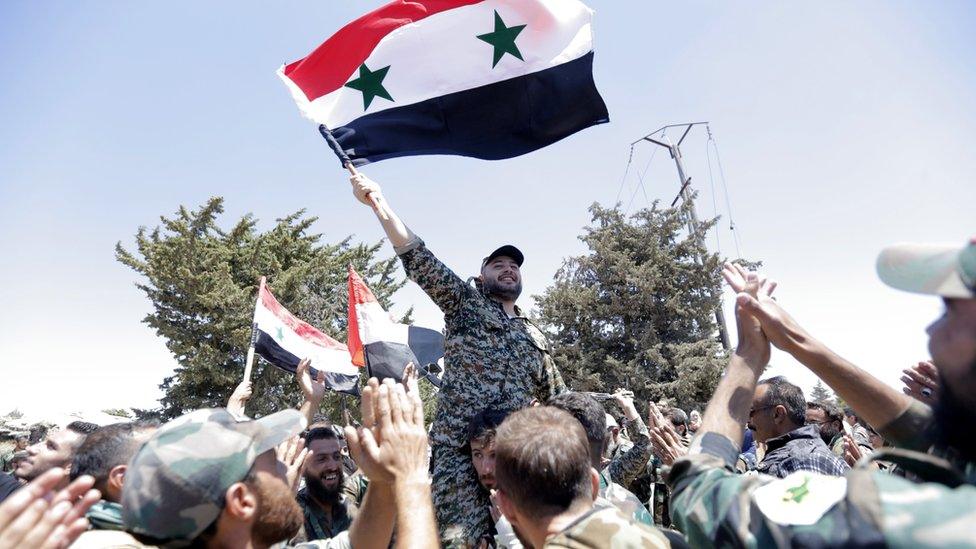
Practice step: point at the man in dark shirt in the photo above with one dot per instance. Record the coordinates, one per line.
(8, 485)
(778, 418)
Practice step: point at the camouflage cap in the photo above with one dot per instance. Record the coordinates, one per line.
(175, 484)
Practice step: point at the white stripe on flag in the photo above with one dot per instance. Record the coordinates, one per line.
(441, 54)
(331, 360)
(376, 326)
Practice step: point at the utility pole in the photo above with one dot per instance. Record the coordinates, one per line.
(685, 194)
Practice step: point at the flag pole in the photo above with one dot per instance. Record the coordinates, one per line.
(248, 366)
(347, 164)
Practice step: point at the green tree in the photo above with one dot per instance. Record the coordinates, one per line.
(202, 282)
(637, 310)
(821, 393)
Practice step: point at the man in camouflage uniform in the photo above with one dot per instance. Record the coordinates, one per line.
(545, 482)
(493, 357)
(714, 506)
(211, 480)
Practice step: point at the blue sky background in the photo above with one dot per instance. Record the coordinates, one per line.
(842, 127)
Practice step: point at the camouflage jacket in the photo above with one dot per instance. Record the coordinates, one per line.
(615, 495)
(607, 528)
(317, 525)
(625, 467)
(490, 360)
(716, 507)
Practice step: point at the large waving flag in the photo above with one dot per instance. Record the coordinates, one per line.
(382, 344)
(489, 79)
(283, 340)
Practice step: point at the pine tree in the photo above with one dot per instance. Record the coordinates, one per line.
(821, 393)
(637, 310)
(202, 282)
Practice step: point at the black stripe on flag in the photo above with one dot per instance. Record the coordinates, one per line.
(277, 355)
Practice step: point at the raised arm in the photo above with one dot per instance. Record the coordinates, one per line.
(445, 288)
(365, 188)
(872, 399)
(625, 468)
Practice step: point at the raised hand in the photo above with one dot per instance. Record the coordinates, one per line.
(922, 382)
(313, 389)
(654, 416)
(852, 451)
(392, 444)
(238, 399)
(625, 399)
(293, 454)
(667, 443)
(37, 516)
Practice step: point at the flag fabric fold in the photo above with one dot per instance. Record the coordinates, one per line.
(283, 340)
(489, 79)
(383, 345)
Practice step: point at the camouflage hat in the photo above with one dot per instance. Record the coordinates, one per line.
(175, 485)
(947, 271)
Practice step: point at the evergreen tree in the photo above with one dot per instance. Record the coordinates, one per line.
(821, 393)
(202, 282)
(637, 310)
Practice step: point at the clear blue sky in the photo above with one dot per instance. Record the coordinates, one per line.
(842, 127)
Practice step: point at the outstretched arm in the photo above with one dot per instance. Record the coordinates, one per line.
(365, 188)
(873, 400)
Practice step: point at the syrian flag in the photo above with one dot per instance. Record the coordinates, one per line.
(490, 79)
(283, 340)
(383, 345)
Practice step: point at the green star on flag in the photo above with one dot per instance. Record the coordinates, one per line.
(502, 40)
(371, 84)
(281, 334)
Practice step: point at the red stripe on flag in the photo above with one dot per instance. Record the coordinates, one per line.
(328, 67)
(304, 330)
(358, 293)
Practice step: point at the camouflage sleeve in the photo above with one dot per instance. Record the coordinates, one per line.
(624, 469)
(911, 430)
(445, 288)
(714, 506)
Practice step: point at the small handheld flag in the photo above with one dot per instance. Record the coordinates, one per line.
(283, 340)
(383, 345)
(489, 79)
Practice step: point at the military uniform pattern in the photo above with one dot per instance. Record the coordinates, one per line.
(607, 528)
(716, 507)
(625, 467)
(490, 360)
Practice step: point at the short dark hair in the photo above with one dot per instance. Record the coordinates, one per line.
(831, 411)
(484, 424)
(82, 427)
(848, 411)
(542, 461)
(783, 393)
(106, 448)
(320, 432)
(591, 416)
(678, 417)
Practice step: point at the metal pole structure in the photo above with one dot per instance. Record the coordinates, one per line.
(685, 194)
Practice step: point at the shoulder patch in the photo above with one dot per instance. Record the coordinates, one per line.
(801, 498)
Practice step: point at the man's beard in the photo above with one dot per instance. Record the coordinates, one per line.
(954, 422)
(321, 492)
(828, 434)
(494, 289)
(279, 518)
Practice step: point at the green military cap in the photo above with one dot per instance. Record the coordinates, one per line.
(947, 271)
(175, 485)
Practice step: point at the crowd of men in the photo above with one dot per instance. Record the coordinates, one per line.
(514, 458)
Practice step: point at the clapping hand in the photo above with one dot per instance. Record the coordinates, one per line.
(313, 389)
(293, 454)
(391, 447)
(38, 516)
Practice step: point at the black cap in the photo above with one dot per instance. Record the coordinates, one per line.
(507, 250)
